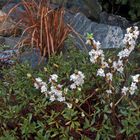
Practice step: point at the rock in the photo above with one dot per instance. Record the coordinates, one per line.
(8, 51)
(6, 56)
(33, 57)
(15, 14)
(109, 36)
(2, 40)
(7, 26)
(7, 48)
(114, 20)
(11, 41)
(91, 8)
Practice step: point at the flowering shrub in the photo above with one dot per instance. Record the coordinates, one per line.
(76, 96)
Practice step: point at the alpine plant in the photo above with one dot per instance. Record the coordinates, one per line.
(107, 69)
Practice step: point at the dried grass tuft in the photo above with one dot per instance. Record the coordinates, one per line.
(43, 27)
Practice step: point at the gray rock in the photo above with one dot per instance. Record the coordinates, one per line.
(7, 50)
(7, 55)
(33, 57)
(9, 41)
(15, 14)
(114, 20)
(109, 36)
(91, 8)
(2, 40)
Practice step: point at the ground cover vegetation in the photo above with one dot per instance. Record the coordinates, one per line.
(78, 94)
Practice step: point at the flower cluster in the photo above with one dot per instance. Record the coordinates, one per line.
(131, 36)
(97, 54)
(55, 92)
(39, 84)
(53, 78)
(133, 87)
(97, 57)
(108, 69)
(129, 42)
(77, 78)
(100, 72)
(118, 66)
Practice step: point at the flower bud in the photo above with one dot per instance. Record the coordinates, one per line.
(29, 75)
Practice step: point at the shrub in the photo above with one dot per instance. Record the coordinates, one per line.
(76, 96)
(43, 26)
(132, 8)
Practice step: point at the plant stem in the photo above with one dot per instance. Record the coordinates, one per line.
(119, 100)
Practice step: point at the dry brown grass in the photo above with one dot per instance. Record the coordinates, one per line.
(43, 27)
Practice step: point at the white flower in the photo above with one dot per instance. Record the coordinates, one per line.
(29, 75)
(120, 69)
(73, 77)
(39, 80)
(124, 53)
(78, 79)
(136, 28)
(36, 85)
(81, 74)
(69, 105)
(101, 72)
(120, 62)
(59, 86)
(128, 29)
(104, 64)
(65, 90)
(125, 90)
(98, 44)
(79, 89)
(76, 100)
(61, 99)
(109, 91)
(118, 66)
(131, 36)
(109, 60)
(82, 114)
(53, 78)
(88, 42)
(111, 104)
(73, 86)
(44, 88)
(56, 91)
(136, 78)
(115, 65)
(109, 76)
(133, 88)
(52, 98)
(40, 84)
(95, 54)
